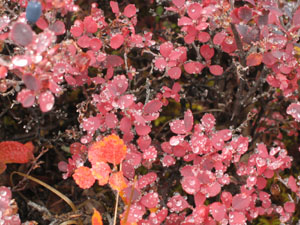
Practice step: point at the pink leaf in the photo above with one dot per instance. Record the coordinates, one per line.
(125, 124)
(178, 127)
(150, 153)
(160, 63)
(237, 218)
(114, 7)
(294, 111)
(26, 97)
(144, 142)
(185, 21)
(174, 73)
(21, 34)
(168, 161)
(245, 13)
(190, 184)
(150, 200)
(46, 101)
(289, 207)
(58, 27)
(147, 179)
(178, 3)
(292, 184)
(3, 72)
(116, 41)
(165, 49)
(91, 124)
(207, 52)
(90, 25)
(203, 36)
(152, 106)
(177, 203)
(208, 121)
(188, 120)
(84, 41)
(193, 67)
(130, 10)
(216, 70)
(111, 120)
(218, 211)
(142, 129)
(240, 201)
(194, 11)
(254, 59)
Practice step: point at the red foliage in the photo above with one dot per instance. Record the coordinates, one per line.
(237, 61)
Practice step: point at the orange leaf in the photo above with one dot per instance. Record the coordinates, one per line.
(117, 181)
(110, 149)
(14, 152)
(96, 218)
(101, 171)
(254, 59)
(83, 177)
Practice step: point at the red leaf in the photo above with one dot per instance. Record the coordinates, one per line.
(83, 177)
(207, 52)
(216, 70)
(96, 218)
(14, 152)
(130, 10)
(254, 59)
(116, 41)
